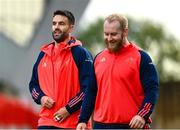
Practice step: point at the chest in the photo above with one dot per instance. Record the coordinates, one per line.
(56, 63)
(117, 66)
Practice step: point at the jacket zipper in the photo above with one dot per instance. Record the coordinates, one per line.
(53, 74)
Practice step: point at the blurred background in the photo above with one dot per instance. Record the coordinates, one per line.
(26, 24)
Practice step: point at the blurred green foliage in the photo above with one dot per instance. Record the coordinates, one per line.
(7, 88)
(149, 35)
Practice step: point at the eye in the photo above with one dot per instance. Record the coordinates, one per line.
(54, 23)
(106, 34)
(61, 23)
(113, 34)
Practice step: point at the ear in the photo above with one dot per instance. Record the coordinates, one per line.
(125, 32)
(71, 28)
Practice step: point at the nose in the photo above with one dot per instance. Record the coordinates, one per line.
(109, 37)
(56, 26)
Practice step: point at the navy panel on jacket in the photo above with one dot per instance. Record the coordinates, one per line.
(83, 60)
(150, 83)
(34, 87)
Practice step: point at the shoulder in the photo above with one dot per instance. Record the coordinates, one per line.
(142, 52)
(79, 48)
(101, 54)
(80, 51)
(40, 56)
(45, 45)
(81, 54)
(144, 55)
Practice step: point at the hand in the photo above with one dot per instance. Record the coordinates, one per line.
(47, 102)
(137, 122)
(81, 126)
(61, 114)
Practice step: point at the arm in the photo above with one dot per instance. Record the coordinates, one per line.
(37, 94)
(150, 83)
(88, 102)
(34, 87)
(83, 60)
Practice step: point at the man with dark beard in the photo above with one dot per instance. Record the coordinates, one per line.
(126, 87)
(60, 75)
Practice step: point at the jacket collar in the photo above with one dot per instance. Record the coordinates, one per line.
(48, 48)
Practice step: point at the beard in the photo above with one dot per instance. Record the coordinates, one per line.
(59, 37)
(114, 46)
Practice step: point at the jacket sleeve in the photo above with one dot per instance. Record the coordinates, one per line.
(34, 87)
(150, 83)
(83, 60)
(89, 100)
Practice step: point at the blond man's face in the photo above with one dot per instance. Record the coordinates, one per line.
(113, 36)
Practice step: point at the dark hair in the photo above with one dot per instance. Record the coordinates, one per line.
(66, 13)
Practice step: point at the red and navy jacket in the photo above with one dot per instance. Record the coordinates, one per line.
(63, 76)
(126, 84)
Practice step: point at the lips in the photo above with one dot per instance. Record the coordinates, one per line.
(112, 43)
(56, 33)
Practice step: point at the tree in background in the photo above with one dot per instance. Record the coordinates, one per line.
(150, 36)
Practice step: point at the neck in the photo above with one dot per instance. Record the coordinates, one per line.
(125, 42)
(65, 41)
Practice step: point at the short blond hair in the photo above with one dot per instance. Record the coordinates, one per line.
(120, 18)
